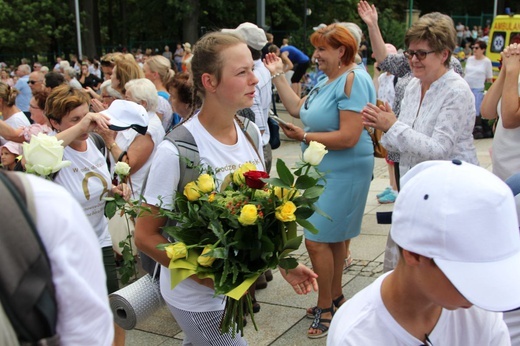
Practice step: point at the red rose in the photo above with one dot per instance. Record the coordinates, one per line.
(253, 179)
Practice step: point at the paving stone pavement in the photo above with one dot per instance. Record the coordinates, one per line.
(281, 320)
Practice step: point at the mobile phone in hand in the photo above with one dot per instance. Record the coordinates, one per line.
(279, 120)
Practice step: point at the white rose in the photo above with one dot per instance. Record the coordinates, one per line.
(44, 155)
(122, 169)
(314, 153)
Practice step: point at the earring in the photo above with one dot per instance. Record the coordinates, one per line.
(339, 64)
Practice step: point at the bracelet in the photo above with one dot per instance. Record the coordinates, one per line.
(277, 75)
(111, 146)
(304, 139)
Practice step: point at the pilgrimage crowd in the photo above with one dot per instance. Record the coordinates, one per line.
(453, 251)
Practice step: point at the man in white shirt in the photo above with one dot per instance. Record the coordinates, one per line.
(84, 316)
(457, 230)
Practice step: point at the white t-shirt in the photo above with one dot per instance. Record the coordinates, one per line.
(364, 320)
(164, 107)
(162, 182)
(506, 156)
(477, 71)
(88, 181)
(16, 121)
(262, 100)
(125, 138)
(84, 316)
(386, 91)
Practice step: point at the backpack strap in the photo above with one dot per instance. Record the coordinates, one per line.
(188, 154)
(26, 288)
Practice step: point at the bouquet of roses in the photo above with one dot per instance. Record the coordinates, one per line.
(235, 234)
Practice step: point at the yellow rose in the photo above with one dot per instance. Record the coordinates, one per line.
(211, 197)
(314, 153)
(192, 192)
(238, 175)
(248, 215)
(203, 259)
(44, 155)
(176, 251)
(205, 183)
(285, 212)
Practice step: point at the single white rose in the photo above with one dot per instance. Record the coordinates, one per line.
(44, 155)
(314, 153)
(122, 169)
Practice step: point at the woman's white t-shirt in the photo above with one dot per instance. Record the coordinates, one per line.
(162, 184)
(16, 121)
(88, 181)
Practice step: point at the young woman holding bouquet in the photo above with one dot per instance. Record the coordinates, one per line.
(331, 114)
(222, 69)
(87, 178)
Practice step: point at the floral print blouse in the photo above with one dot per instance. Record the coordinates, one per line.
(439, 128)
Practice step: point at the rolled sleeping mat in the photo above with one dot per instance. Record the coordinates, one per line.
(136, 302)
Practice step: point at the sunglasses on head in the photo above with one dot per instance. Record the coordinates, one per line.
(420, 54)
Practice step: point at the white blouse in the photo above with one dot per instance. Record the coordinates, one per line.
(439, 128)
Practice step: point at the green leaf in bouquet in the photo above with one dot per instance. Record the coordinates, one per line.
(110, 209)
(219, 252)
(307, 225)
(277, 182)
(317, 210)
(288, 263)
(304, 182)
(304, 212)
(284, 173)
(291, 246)
(314, 191)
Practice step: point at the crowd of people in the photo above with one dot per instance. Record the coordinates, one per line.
(454, 247)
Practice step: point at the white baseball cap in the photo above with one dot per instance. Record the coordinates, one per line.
(252, 34)
(127, 114)
(464, 218)
(321, 26)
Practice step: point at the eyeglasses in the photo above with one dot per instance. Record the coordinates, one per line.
(33, 82)
(314, 92)
(476, 47)
(420, 54)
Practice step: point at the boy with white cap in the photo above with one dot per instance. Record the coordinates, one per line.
(457, 230)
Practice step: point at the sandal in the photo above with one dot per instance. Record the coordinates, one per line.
(311, 312)
(318, 323)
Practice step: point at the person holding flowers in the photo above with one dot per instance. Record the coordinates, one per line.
(331, 115)
(222, 69)
(87, 177)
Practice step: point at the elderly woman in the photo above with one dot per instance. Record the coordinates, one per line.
(135, 149)
(396, 64)
(437, 111)
(502, 101)
(331, 114)
(108, 95)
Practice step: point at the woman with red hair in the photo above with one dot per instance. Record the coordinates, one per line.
(331, 116)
